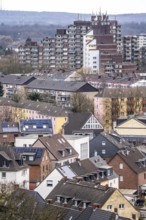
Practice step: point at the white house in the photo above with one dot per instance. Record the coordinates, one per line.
(12, 169)
(91, 169)
(80, 144)
(48, 184)
(27, 140)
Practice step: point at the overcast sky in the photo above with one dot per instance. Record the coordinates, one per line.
(77, 6)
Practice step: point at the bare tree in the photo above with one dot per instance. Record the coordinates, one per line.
(80, 103)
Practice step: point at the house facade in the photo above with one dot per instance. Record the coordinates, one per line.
(59, 149)
(129, 163)
(39, 164)
(13, 170)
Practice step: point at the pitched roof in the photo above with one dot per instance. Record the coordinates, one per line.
(69, 86)
(15, 162)
(76, 122)
(58, 146)
(36, 126)
(30, 151)
(83, 191)
(83, 167)
(16, 79)
(44, 108)
(93, 214)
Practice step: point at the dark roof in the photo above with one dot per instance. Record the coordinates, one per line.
(83, 167)
(14, 159)
(9, 127)
(58, 145)
(76, 122)
(7, 102)
(122, 92)
(29, 151)
(135, 159)
(36, 126)
(83, 191)
(69, 86)
(16, 79)
(93, 214)
(44, 108)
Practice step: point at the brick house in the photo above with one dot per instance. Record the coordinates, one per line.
(38, 161)
(130, 163)
(8, 132)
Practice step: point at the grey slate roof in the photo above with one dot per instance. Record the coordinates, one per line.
(16, 79)
(69, 86)
(122, 92)
(83, 191)
(44, 108)
(76, 121)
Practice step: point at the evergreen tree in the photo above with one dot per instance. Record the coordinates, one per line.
(1, 90)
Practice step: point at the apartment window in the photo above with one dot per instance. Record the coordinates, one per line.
(103, 143)
(5, 136)
(121, 178)
(121, 165)
(121, 206)
(103, 151)
(109, 207)
(3, 175)
(49, 183)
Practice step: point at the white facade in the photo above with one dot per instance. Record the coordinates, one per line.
(141, 40)
(80, 144)
(26, 141)
(20, 177)
(90, 53)
(48, 184)
(139, 83)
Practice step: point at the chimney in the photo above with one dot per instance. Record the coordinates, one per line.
(95, 206)
(79, 179)
(65, 178)
(49, 201)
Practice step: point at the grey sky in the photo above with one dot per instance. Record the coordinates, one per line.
(77, 6)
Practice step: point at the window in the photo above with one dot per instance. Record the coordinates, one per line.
(31, 158)
(24, 157)
(5, 136)
(3, 174)
(121, 165)
(49, 182)
(103, 151)
(144, 175)
(109, 207)
(121, 178)
(103, 143)
(121, 206)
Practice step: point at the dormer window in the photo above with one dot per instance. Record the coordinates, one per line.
(31, 158)
(62, 152)
(69, 150)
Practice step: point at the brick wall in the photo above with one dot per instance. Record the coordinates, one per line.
(130, 178)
